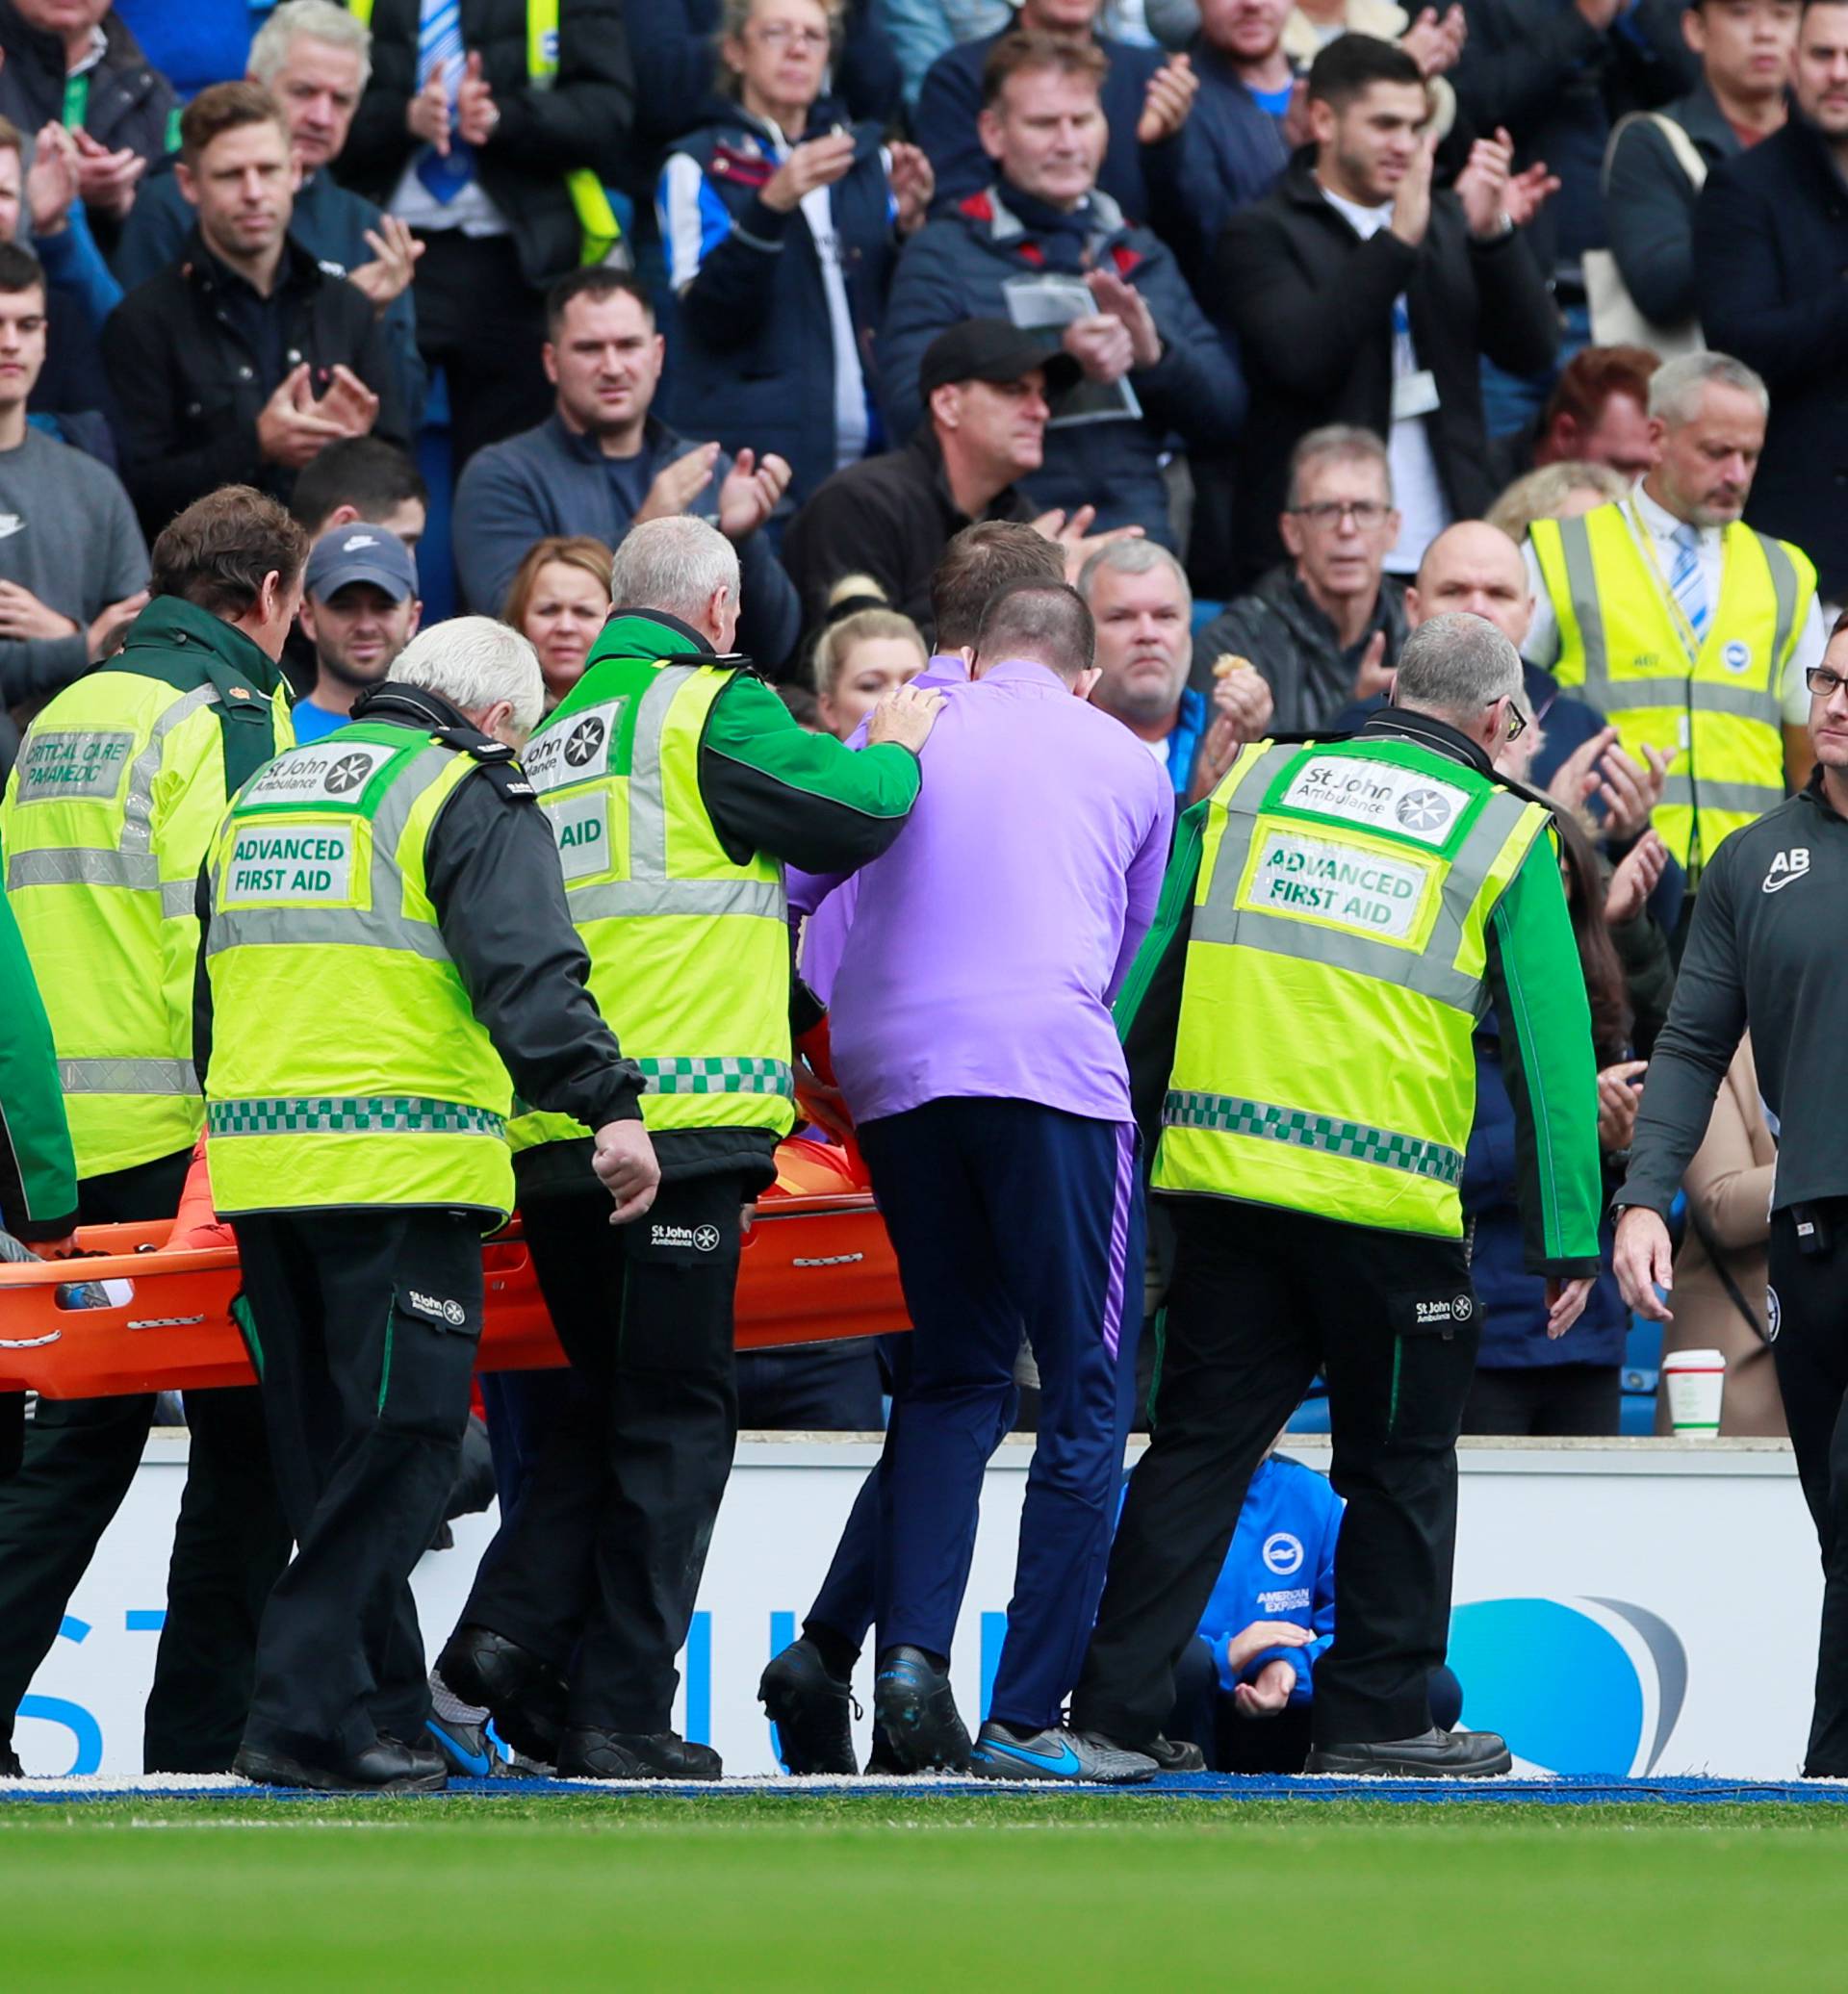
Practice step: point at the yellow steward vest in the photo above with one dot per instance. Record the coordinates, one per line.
(1715, 707)
(1335, 973)
(348, 1065)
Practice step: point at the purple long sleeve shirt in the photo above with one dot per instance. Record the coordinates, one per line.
(987, 944)
(830, 914)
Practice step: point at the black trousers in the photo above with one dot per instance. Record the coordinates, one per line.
(1261, 1297)
(1556, 1401)
(483, 324)
(363, 1327)
(598, 1569)
(1809, 1273)
(80, 1458)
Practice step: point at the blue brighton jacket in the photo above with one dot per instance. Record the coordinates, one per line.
(755, 357)
(1280, 1567)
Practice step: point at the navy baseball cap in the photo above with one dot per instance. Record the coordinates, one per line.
(360, 552)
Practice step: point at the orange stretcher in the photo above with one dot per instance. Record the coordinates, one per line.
(817, 1268)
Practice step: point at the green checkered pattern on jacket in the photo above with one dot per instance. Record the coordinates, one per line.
(1324, 1132)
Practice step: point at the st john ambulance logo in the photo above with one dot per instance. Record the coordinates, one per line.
(583, 743)
(1421, 810)
(347, 773)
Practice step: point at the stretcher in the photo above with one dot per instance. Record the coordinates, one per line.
(816, 1268)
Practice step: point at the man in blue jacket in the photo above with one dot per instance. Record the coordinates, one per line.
(1045, 246)
(599, 462)
(314, 58)
(1243, 1688)
(1149, 169)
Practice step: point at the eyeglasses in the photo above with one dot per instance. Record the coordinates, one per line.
(780, 33)
(1824, 683)
(1366, 513)
(1517, 723)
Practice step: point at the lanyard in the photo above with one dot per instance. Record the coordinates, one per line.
(1646, 546)
(76, 100)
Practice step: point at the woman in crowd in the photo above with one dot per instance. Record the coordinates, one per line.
(1722, 1298)
(1524, 1382)
(782, 225)
(1555, 491)
(558, 600)
(865, 650)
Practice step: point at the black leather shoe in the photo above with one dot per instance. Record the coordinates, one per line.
(1175, 1754)
(912, 1697)
(9, 1765)
(1433, 1754)
(588, 1752)
(523, 1692)
(387, 1766)
(810, 1709)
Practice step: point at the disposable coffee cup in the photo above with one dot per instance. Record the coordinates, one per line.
(1696, 1382)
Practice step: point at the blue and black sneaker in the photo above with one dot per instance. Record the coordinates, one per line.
(475, 1751)
(912, 1702)
(1003, 1752)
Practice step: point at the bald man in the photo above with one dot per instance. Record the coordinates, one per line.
(1475, 566)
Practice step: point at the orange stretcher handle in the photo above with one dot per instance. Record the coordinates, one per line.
(815, 1269)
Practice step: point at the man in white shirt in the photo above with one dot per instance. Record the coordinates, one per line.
(1690, 629)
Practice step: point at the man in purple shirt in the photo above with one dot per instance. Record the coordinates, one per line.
(972, 1038)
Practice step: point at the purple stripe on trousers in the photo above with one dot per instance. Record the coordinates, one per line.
(1114, 1287)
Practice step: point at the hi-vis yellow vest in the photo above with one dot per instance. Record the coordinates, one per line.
(1716, 709)
(689, 951)
(348, 1065)
(596, 217)
(1335, 973)
(119, 786)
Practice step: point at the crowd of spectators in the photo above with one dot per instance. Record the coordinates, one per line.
(1282, 324)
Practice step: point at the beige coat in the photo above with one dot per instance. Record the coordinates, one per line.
(1729, 1184)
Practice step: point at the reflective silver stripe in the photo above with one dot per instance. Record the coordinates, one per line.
(178, 899)
(1707, 695)
(138, 820)
(1431, 971)
(722, 1075)
(80, 865)
(257, 928)
(127, 1077)
(1234, 1115)
(1747, 702)
(647, 779)
(1784, 588)
(1748, 799)
(617, 899)
(351, 1114)
(1581, 585)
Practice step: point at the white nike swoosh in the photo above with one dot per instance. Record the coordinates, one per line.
(1778, 885)
(9, 527)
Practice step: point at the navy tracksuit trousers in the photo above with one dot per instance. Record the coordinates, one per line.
(1006, 1213)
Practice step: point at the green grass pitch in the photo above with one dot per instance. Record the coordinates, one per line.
(986, 1892)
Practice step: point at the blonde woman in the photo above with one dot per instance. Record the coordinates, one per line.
(865, 650)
